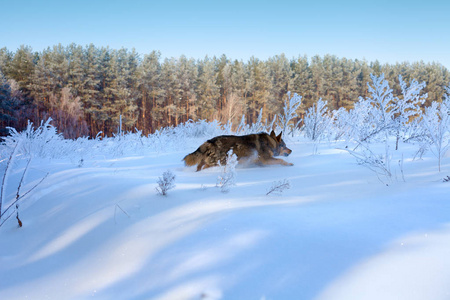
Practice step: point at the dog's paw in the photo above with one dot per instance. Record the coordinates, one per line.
(289, 164)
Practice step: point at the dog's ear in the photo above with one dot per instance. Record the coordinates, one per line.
(279, 137)
(273, 135)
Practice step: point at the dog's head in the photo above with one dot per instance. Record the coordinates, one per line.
(281, 148)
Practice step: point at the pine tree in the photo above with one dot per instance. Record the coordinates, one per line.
(125, 103)
(363, 72)
(220, 64)
(317, 79)
(185, 85)
(281, 77)
(90, 87)
(76, 73)
(104, 111)
(237, 99)
(7, 106)
(165, 111)
(5, 61)
(332, 74)
(347, 86)
(150, 88)
(22, 67)
(260, 87)
(302, 82)
(208, 90)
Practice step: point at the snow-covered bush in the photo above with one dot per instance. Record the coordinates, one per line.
(176, 138)
(317, 121)
(227, 176)
(353, 125)
(201, 128)
(165, 183)
(372, 119)
(381, 110)
(43, 141)
(435, 126)
(258, 126)
(244, 128)
(340, 128)
(379, 163)
(408, 107)
(289, 113)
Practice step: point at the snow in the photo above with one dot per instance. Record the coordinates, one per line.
(102, 231)
(419, 260)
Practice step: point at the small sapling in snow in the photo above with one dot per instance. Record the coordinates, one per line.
(165, 183)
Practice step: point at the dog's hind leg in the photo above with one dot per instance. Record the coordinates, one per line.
(200, 165)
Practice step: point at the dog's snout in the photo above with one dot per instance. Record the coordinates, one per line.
(286, 151)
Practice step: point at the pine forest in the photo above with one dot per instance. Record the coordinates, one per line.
(87, 90)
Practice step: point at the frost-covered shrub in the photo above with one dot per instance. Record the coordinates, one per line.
(227, 177)
(354, 124)
(379, 163)
(289, 113)
(435, 126)
(373, 119)
(43, 141)
(244, 128)
(381, 109)
(431, 130)
(165, 183)
(340, 128)
(125, 143)
(176, 138)
(201, 128)
(317, 121)
(408, 107)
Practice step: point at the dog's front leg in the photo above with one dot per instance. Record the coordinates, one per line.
(275, 161)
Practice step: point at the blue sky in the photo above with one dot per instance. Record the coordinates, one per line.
(390, 31)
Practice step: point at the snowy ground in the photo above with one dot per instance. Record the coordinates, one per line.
(337, 233)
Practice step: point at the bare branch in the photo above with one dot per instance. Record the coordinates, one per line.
(5, 174)
(21, 197)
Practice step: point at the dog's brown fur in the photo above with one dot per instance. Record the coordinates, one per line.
(253, 148)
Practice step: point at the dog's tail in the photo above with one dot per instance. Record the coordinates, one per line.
(193, 159)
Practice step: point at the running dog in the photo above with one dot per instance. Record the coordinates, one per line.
(258, 149)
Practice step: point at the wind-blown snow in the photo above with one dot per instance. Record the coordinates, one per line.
(337, 233)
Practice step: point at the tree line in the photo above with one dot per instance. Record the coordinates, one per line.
(85, 89)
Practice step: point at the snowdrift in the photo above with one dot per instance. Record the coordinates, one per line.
(99, 229)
